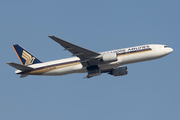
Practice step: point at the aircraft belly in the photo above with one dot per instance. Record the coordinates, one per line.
(66, 70)
(60, 71)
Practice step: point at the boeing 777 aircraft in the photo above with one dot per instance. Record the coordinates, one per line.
(93, 63)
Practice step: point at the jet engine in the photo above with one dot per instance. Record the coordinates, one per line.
(109, 57)
(120, 71)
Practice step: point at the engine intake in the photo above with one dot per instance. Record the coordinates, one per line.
(120, 71)
(109, 57)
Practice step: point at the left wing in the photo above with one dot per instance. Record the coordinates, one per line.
(86, 56)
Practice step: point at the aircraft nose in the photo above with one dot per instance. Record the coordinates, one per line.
(168, 50)
(171, 50)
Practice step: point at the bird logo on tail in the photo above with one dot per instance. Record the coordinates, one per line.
(29, 59)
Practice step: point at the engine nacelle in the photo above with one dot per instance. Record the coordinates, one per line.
(119, 71)
(109, 57)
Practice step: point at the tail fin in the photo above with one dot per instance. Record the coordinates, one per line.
(24, 56)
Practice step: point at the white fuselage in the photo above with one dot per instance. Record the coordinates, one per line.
(125, 56)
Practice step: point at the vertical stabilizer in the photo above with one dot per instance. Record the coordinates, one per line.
(24, 56)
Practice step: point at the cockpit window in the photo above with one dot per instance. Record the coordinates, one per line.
(166, 46)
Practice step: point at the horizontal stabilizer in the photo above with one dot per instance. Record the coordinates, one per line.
(19, 66)
(23, 75)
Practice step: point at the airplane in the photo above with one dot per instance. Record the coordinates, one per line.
(84, 60)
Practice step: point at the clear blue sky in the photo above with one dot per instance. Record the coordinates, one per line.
(150, 91)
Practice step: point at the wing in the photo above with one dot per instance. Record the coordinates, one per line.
(86, 56)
